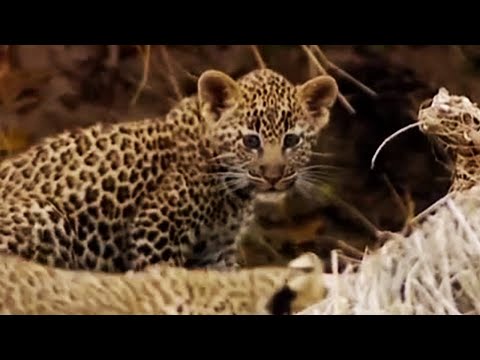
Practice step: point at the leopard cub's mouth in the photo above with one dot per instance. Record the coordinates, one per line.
(269, 185)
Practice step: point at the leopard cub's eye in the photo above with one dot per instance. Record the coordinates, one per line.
(251, 141)
(291, 140)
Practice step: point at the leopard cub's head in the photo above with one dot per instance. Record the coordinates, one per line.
(263, 127)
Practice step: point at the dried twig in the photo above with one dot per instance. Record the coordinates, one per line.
(113, 54)
(407, 205)
(322, 71)
(349, 249)
(331, 66)
(4, 60)
(410, 205)
(259, 245)
(419, 217)
(258, 57)
(355, 214)
(348, 260)
(143, 81)
(395, 195)
(171, 77)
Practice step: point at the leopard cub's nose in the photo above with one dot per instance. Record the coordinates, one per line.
(272, 173)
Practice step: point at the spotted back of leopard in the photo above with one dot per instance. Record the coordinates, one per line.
(174, 189)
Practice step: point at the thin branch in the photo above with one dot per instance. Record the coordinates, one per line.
(331, 66)
(396, 196)
(4, 60)
(171, 78)
(258, 57)
(406, 204)
(410, 205)
(261, 246)
(348, 260)
(113, 54)
(146, 71)
(355, 214)
(430, 209)
(349, 250)
(322, 71)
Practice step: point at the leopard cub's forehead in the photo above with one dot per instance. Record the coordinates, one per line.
(271, 102)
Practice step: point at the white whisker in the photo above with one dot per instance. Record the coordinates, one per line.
(319, 154)
(222, 156)
(226, 173)
(314, 181)
(321, 166)
(304, 187)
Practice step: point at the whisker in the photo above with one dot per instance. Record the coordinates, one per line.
(226, 173)
(317, 181)
(240, 166)
(231, 183)
(321, 166)
(321, 173)
(324, 172)
(395, 134)
(236, 185)
(305, 187)
(318, 177)
(222, 156)
(319, 154)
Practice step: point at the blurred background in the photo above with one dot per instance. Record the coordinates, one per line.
(46, 89)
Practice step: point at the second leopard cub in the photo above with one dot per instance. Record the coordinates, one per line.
(174, 189)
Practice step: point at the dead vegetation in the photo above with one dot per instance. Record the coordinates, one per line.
(45, 89)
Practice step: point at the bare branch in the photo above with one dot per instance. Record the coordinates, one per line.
(349, 250)
(171, 77)
(322, 71)
(258, 57)
(332, 67)
(354, 214)
(397, 198)
(146, 71)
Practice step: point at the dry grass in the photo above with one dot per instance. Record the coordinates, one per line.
(434, 270)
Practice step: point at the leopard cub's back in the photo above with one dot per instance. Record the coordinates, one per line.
(30, 288)
(83, 185)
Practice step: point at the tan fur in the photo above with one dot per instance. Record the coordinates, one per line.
(173, 190)
(30, 288)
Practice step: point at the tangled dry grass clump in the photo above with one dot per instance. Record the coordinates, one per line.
(435, 269)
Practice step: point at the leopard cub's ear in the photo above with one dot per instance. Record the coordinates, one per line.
(217, 92)
(318, 94)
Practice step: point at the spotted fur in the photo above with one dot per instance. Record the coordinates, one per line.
(174, 190)
(27, 287)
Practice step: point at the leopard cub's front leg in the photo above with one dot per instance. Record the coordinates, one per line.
(226, 255)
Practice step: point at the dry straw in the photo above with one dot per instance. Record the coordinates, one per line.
(436, 268)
